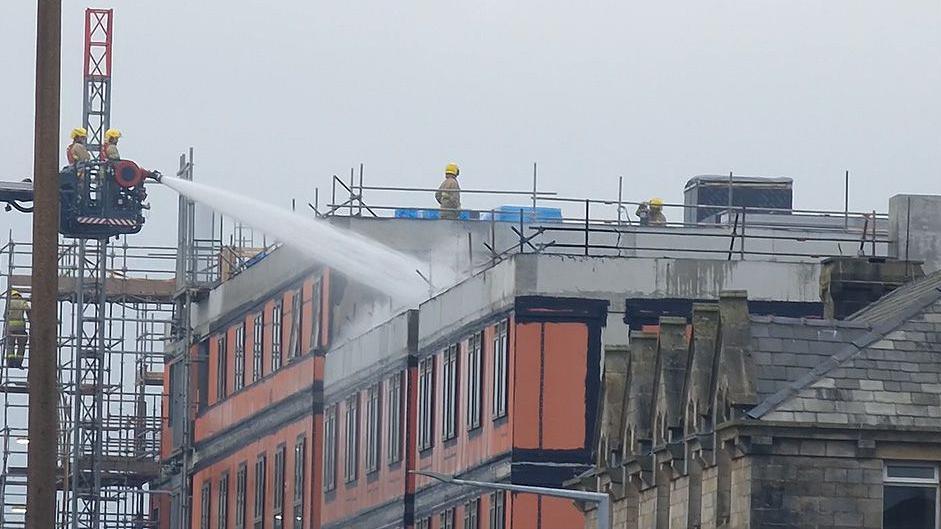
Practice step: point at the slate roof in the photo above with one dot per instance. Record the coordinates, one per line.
(785, 349)
(886, 371)
(886, 309)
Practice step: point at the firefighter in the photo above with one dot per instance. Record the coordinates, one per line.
(109, 150)
(77, 152)
(18, 311)
(650, 213)
(449, 193)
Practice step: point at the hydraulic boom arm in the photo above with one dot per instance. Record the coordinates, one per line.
(12, 193)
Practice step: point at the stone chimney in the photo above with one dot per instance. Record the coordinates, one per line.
(849, 284)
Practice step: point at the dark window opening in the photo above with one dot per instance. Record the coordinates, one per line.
(449, 392)
(258, 347)
(222, 369)
(241, 483)
(300, 462)
(240, 357)
(352, 439)
(394, 414)
(294, 345)
(278, 484)
(500, 367)
(330, 448)
(910, 497)
(426, 403)
(472, 514)
(373, 425)
(260, 478)
(222, 504)
(205, 505)
(474, 380)
(277, 316)
(497, 510)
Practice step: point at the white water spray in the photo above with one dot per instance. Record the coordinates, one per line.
(362, 259)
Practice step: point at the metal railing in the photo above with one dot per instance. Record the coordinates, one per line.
(605, 227)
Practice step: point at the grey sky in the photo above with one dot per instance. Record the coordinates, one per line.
(277, 96)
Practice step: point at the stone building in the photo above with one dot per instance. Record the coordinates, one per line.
(728, 419)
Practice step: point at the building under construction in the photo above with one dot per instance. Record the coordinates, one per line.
(749, 366)
(293, 397)
(214, 384)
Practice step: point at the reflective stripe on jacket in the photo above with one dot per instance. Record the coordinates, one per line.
(16, 312)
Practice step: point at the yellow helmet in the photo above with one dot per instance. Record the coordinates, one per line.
(112, 134)
(79, 132)
(656, 202)
(15, 293)
(452, 169)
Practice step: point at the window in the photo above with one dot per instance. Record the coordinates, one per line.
(373, 423)
(449, 393)
(424, 523)
(204, 505)
(394, 413)
(277, 316)
(222, 369)
(910, 496)
(260, 477)
(315, 316)
(300, 462)
(497, 516)
(240, 357)
(222, 504)
(294, 345)
(446, 520)
(241, 480)
(500, 362)
(278, 484)
(426, 403)
(352, 438)
(258, 347)
(330, 448)
(474, 380)
(472, 514)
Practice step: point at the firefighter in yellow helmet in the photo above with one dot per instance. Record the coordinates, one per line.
(449, 193)
(77, 151)
(650, 213)
(109, 149)
(18, 311)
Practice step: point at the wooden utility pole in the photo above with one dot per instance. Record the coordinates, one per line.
(42, 380)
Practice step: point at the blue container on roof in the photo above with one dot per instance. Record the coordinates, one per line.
(428, 214)
(529, 214)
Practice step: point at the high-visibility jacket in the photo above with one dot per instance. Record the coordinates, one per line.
(449, 193)
(77, 152)
(17, 309)
(109, 151)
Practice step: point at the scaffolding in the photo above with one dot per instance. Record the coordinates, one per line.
(604, 227)
(115, 305)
